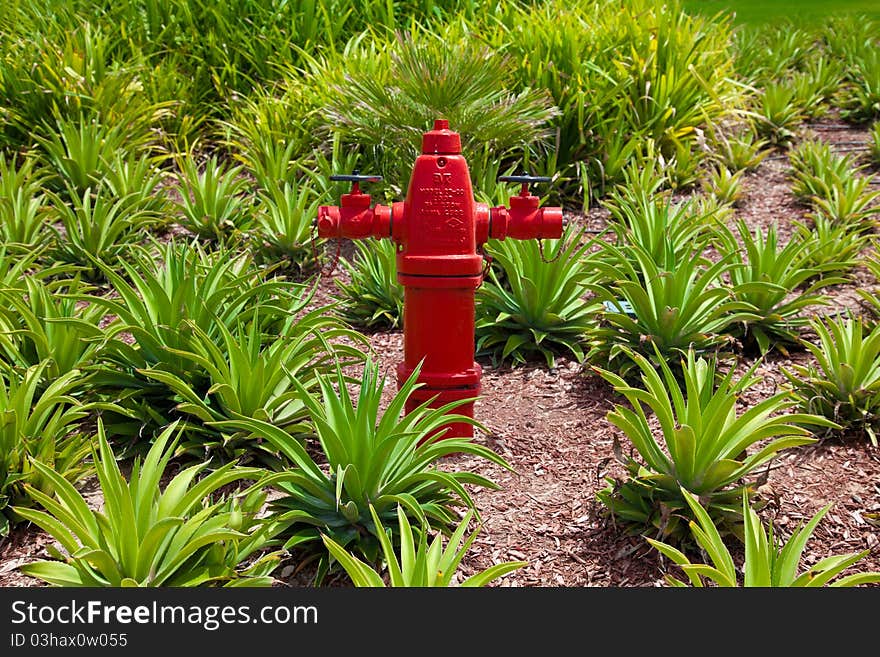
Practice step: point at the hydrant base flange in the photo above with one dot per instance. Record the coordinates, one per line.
(441, 397)
(468, 378)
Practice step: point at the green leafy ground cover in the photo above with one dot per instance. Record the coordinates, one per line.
(160, 166)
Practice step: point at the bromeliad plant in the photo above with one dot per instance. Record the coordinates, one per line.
(775, 286)
(649, 71)
(657, 312)
(23, 221)
(769, 561)
(81, 153)
(816, 86)
(251, 375)
(869, 295)
(16, 268)
(860, 101)
(40, 425)
(23, 216)
(738, 152)
(700, 443)
(816, 168)
(422, 76)
(724, 185)
(778, 114)
(40, 323)
(850, 201)
(383, 461)
(138, 178)
(147, 536)
(833, 247)
(98, 230)
(159, 297)
(844, 384)
(669, 232)
(373, 298)
(212, 202)
(419, 564)
(539, 308)
(283, 224)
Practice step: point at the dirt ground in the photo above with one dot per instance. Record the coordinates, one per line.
(551, 427)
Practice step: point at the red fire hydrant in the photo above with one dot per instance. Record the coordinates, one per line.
(439, 231)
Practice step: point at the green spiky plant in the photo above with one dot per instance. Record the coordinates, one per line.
(833, 247)
(268, 133)
(776, 285)
(701, 445)
(40, 425)
(844, 383)
(860, 100)
(421, 77)
(23, 216)
(772, 52)
(741, 151)
(21, 172)
(98, 230)
(846, 36)
(485, 168)
(724, 185)
(213, 205)
(159, 292)
(72, 68)
(251, 375)
(148, 536)
(682, 166)
(816, 168)
(373, 458)
(650, 71)
(419, 565)
(869, 295)
(539, 308)
(271, 161)
(669, 231)
(826, 73)
(17, 267)
(665, 311)
(81, 153)
(140, 179)
(24, 221)
(283, 224)
(769, 560)
(850, 202)
(777, 114)
(373, 297)
(808, 96)
(816, 86)
(40, 323)
(331, 158)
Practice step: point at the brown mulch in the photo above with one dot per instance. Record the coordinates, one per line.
(551, 427)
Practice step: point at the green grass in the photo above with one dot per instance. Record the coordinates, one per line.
(755, 12)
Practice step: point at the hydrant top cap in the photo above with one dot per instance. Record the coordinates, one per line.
(441, 140)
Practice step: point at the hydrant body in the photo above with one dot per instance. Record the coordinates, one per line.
(439, 231)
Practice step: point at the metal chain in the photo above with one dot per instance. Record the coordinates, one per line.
(541, 251)
(487, 265)
(322, 272)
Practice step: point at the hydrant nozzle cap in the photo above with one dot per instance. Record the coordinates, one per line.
(441, 140)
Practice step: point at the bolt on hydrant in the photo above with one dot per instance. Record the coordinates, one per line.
(439, 231)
